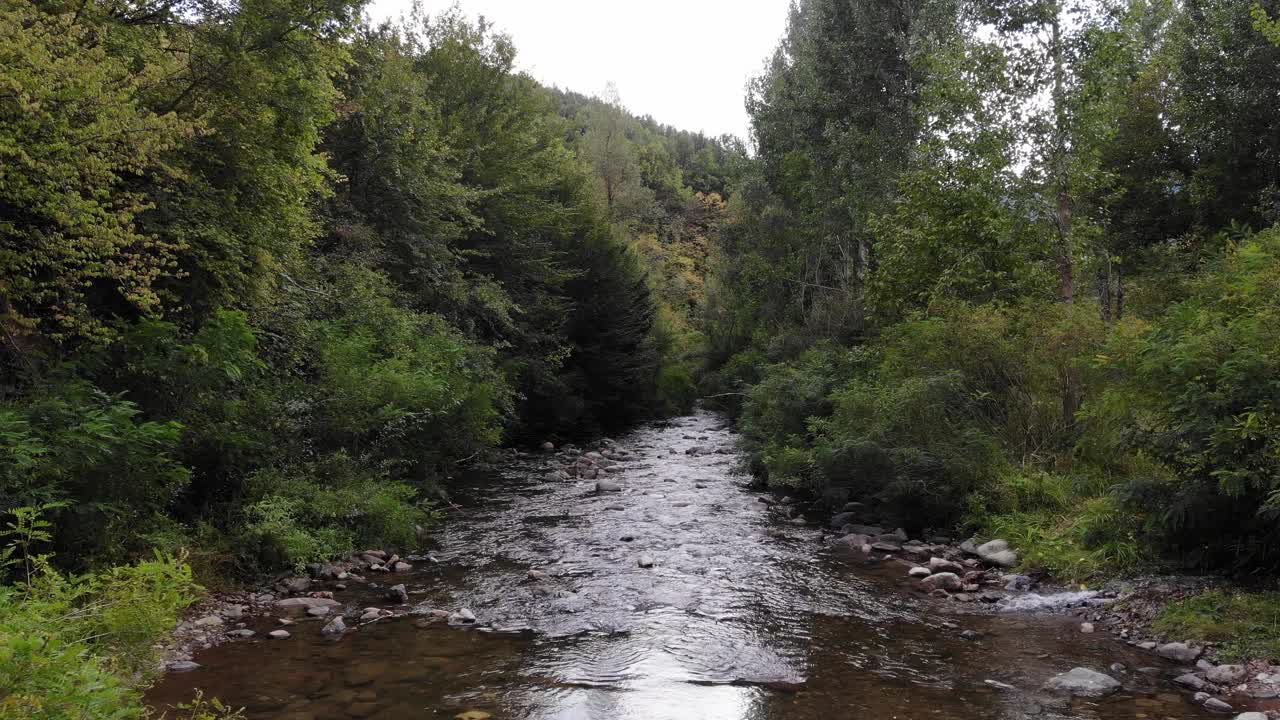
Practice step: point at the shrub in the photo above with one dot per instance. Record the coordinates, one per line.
(1198, 392)
(80, 646)
(116, 471)
(313, 512)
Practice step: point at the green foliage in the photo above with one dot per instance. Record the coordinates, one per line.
(1197, 391)
(110, 470)
(80, 646)
(74, 136)
(1064, 528)
(1245, 625)
(313, 512)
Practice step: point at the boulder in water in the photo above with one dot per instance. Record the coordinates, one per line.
(334, 627)
(1083, 682)
(937, 564)
(997, 552)
(943, 581)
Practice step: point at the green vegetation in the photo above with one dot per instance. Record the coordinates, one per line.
(270, 273)
(1004, 268)
(1245, 625)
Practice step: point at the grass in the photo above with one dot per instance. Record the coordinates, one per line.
(1243, 625)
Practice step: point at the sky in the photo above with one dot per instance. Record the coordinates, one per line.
(685, 62)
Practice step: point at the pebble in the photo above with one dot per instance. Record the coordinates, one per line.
(278, 634)
(182, 666)
(645, 561)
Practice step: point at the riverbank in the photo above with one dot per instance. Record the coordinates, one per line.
(1135, 611)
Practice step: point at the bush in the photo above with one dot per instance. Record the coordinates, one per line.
(75, 443)
(1198, 393)
(313, 512)
(924, 420)
(75, 647)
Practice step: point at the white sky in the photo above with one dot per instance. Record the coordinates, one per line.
(685, 62)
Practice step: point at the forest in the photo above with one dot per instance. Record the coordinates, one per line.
(272, 273)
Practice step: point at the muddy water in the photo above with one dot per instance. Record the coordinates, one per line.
(744, 614)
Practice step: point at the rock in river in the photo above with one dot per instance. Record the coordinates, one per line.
(1181, 652)
(608, 486)
(1083, 682)
(937, 565)
(645, 561)
(306, 602)
(997, 552)
(943, 581)
(334, 627)
(1226, 674)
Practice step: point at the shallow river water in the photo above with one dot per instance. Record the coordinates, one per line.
(743, 615)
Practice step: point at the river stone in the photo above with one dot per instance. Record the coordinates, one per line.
(645, 561)
(919, 572)
(997, 552)
(463, 616)
(942, 581)
(1083, 682)
(318, 611)
(885, 546)
(1017, 583)
(336, 626)
(307, 602)
(1252, 716)
(854, 541)
(1217, 705)
(937, 565)
(608, 486)
(398, 592)
(278, 634)
(209, 621)
(1226, 674)
(242, 633)
(296, 585)
(1190, 680)
(548, 447)
(1178, 651)
(839, 520)
(182, 666)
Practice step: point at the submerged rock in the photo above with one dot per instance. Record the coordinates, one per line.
(1083, 682)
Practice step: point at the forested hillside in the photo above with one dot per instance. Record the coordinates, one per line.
(270, 272)
(1013, 266)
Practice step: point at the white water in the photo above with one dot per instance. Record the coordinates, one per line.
(1035, 602)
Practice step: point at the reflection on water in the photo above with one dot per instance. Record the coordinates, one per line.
(743, 615)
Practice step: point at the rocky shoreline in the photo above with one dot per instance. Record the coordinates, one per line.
(967, 572)
(978, 576)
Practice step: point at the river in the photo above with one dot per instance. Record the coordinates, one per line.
(744, 614)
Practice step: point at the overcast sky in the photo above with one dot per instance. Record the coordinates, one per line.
(685, 62)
